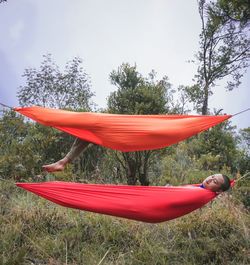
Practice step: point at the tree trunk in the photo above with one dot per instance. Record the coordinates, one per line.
(131, 172)
(143, 178)
(143, 175)
(205, 101)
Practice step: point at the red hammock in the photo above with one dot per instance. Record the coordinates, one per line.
(147, 204)
(124, 132)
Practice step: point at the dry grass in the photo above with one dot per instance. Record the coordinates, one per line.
(35, 231)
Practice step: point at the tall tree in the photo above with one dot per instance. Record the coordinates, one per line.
(49, 87)
(138, 95)
(224, 49)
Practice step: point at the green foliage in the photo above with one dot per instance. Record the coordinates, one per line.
(225, 148)
(13, 133)
(245, 139)
(195, 159)
(49, 87)
(242, 193)
(87, 165)
(136, 94)
(139, 95)
(214, 151)
(110, 169)
(26, 146)
(235, 11)
(221, 142)
(36, 231)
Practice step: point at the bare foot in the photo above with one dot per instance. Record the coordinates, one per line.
(57, 166)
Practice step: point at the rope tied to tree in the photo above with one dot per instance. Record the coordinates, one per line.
(6, 106)
(241, 112)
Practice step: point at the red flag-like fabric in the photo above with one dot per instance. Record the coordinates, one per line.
(147, 204)
(124, 132)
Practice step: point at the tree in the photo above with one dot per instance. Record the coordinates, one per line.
(48, 87)
(224, 50)
(237, 11)
(24, 146)
(245, 139)
(244, 156)
(220, 141)
(12, 131)
(138, 95)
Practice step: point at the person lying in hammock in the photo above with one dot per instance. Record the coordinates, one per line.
(215, 183)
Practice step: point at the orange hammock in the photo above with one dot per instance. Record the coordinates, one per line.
(147, 204)
(124, 132)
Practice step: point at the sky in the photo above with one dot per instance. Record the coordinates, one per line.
(153, 34)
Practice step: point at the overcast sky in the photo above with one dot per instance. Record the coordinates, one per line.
(155, 34)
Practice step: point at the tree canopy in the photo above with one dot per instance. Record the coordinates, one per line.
(49, 87)
(136, 94)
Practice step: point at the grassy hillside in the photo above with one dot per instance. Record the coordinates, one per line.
(35, 231)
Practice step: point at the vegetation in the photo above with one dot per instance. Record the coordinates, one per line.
(50, 87)
(138, 95)
(224, 48)
(35, 231)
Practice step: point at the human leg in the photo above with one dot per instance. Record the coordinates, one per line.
(78, 146)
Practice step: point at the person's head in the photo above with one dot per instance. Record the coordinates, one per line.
(217, 183)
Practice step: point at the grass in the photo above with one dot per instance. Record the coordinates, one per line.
(35, 231)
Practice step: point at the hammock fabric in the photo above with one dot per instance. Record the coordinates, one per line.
(124, 132)
(147, 204)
